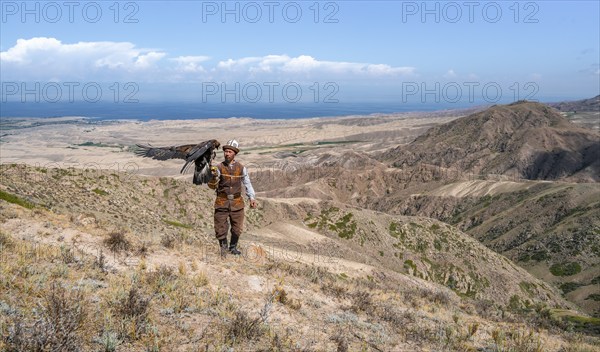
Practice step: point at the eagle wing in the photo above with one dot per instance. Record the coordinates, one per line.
(164, 153)
(201, 154)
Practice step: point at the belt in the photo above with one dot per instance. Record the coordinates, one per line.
(229, 196)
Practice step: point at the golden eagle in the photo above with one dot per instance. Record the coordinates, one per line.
(201, 154)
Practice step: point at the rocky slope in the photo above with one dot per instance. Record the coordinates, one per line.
(358, 275)
(376, 257)
(162, 209)
(540, 225)
(521, 140)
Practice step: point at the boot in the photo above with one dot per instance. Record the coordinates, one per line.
(233, 246)
(223, 246)
(233, 250)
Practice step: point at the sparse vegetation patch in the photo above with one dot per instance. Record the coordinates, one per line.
(565, 269)
(569, 286)
(396, 231)
(100, 191)
(180, 294)
(54, 326)
(344, 226)
(177, 224)
(11, 198)
(117, 241)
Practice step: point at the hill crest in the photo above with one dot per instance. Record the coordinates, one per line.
(524, 140)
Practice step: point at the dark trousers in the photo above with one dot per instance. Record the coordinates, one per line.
(236, 219)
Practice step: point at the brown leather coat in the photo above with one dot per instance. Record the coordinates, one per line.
(229, 186)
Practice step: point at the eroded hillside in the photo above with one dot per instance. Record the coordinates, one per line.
(543, 225)
(521, 140)
(130, 263)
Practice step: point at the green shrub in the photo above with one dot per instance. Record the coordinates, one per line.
(100, 192)
(11, 198)
(345, 227)
(570, 286)
(540, 255)
(177, 224)
(565, 269)
(409, 264)
(594, 297)
(396, 231)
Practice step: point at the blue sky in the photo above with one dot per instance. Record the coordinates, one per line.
(347, 51)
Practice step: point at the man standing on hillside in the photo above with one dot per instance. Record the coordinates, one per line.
(227, 179)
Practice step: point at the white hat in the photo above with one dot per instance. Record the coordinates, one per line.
(233, 145)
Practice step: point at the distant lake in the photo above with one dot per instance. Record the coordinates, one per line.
(174, 111)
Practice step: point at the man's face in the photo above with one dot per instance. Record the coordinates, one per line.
(229, 155)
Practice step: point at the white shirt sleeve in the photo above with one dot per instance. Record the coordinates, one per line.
(246, 181)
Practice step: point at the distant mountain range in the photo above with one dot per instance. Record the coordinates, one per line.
(591, 104)
(523, 140)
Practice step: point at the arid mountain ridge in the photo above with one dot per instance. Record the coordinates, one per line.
(507, 175)
(360, 233)
(524, 140)
(331, 262)
(166, 222)
(591, 104)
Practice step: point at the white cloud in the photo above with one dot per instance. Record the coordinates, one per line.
(39, 58)
(190, 64)
(237, 65)
(450, 74)
(381, 69)
(305, 64)
(148, 60)
(23, 50)
(268, 62)
(49, 58)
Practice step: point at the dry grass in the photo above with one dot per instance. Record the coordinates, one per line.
(199, 302)
(168, 241)
(145, 309)
(117, 241)
(6, 241)
(341, 341)
(361, 301)
(56, 326)
(133, 310)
